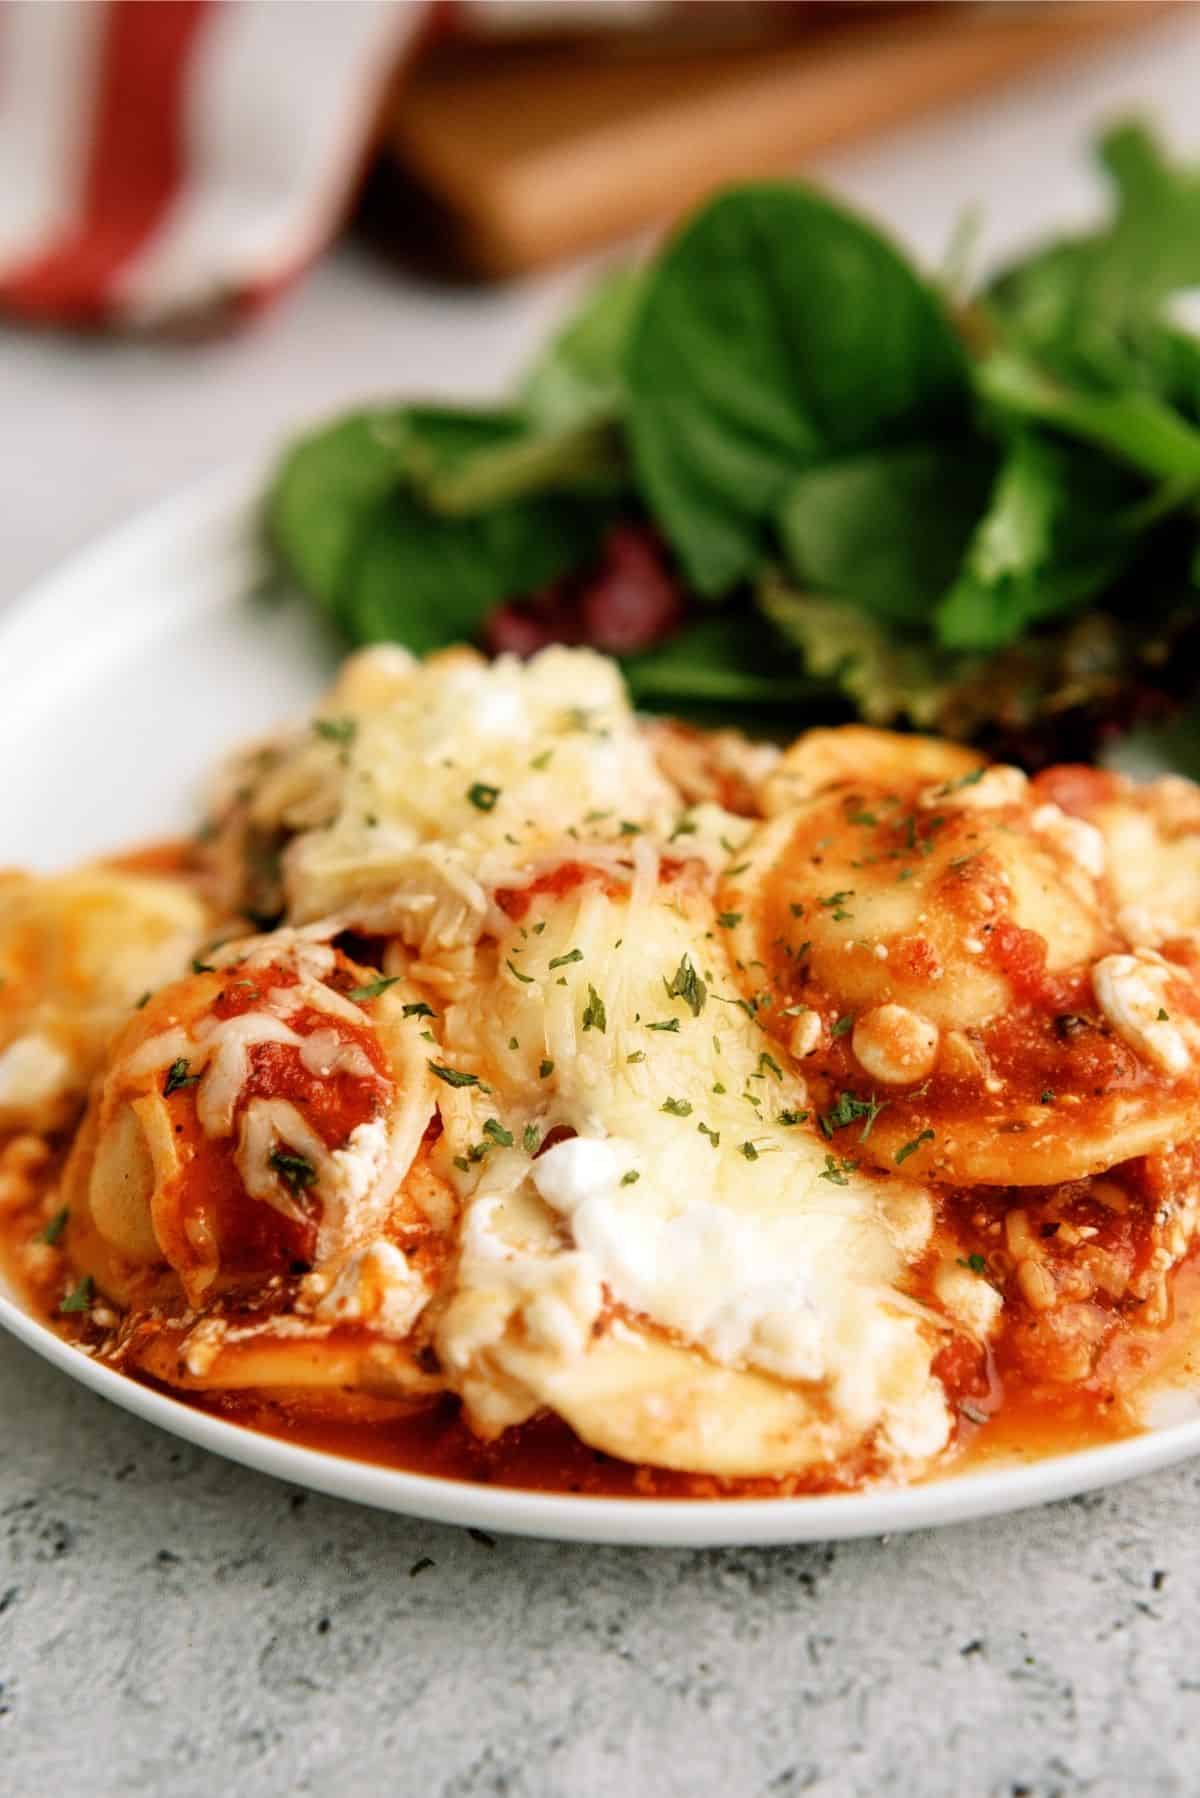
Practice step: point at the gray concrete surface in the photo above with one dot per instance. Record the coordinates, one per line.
(174, 1624)
(170, 1624)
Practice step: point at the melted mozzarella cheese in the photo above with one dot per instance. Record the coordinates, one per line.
(456, 778)
(1152, 839)
(690, 1194)
(374, 1286)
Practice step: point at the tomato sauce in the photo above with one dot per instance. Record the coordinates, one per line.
(209, 1196)
(516, 902)
(1003, 1415)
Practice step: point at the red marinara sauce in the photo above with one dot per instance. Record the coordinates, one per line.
(209, 1195)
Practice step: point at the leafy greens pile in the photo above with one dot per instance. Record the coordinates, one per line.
(979, 515)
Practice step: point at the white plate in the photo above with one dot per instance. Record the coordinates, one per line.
(127, 674)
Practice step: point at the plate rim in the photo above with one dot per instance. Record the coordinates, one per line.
(223, 502)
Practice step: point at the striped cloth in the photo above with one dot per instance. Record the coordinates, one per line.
(179, 163)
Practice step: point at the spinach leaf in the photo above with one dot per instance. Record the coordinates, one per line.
(330, 483)
(456, 508)
(579, 378)
(1083, 300)
(427, 581)
(730, 659)
(777, 332)
(582, 459)
(327, 486)
(562, 436)
(1059, 527)
(437, 440)
(887, 528)
(1133, 423)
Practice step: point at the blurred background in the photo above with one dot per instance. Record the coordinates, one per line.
(221, 218)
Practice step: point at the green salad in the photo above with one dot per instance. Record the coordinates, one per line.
(776, 464)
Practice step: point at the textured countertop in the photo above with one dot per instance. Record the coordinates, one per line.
(171, 1623)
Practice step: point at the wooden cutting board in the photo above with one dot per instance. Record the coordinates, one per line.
(532, 153)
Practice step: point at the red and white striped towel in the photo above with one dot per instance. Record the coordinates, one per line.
(178, 162)
(166, 162)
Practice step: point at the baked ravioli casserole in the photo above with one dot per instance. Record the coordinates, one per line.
(505, 1086)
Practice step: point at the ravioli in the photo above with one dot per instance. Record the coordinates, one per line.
(255, 1138)
(759, 1116)
(953, 948)
(685, 1199)
(77, 951)
(420, 788)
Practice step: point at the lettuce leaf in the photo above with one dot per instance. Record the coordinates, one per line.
(778, 332)
(887, 528)
(1058, 529)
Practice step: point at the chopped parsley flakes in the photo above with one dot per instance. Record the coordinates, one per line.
(80, 1297)
(53, 1230)
(336, 730)
(836, 1173)
(677, 1108)
(296, 1171)
(687, 985)
(495, 1129)
(178, 1077)
(372, 989)
(483, 797)
(594, 1014)
(563, 961)
(453, 1076)
(976, 1263)
(848, 1110)
(910, 1148)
